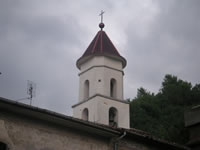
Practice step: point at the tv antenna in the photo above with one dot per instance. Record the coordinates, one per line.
(31, 90)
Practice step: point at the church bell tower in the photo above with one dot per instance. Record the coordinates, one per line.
(101, 84)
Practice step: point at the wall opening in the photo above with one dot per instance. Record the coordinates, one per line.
(3, 146)
(113, 117)
(85, 114)
(113, 88)
(86, 89)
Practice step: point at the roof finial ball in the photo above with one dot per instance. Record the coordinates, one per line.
(101, 25)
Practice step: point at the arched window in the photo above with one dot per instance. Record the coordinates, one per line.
(113, 88)
(86, 89)
(113, 117)
(3, 146)
(85, 114)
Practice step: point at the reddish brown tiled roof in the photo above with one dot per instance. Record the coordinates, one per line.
(101, 45)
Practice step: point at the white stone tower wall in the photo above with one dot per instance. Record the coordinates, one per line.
(101, 60)
(99, 70)
(99, 73)
(99, 110)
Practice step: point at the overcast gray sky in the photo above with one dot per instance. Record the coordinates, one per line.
(40, 40)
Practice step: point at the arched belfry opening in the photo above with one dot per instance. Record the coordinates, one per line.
(85, 114)
(113, 117)
(3, 146)
(86, 89)
(113, 88)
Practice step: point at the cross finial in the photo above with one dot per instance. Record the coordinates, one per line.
(101, 14)
(101, 25)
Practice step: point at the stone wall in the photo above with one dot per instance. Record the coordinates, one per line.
(26, 134)
(24, 127)
(99, 111)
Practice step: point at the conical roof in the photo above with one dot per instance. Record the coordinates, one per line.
(101, 45)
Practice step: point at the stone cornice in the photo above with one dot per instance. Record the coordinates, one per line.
(101, 66)
(110, 98)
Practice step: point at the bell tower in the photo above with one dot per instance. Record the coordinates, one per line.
(101, 84)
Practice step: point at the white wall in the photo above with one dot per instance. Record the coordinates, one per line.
(101, 60)
(99, 111)
(99, 77)
(99, 70)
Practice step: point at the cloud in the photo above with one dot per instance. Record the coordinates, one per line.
(170, 46)
(39, 47)
(41, 41)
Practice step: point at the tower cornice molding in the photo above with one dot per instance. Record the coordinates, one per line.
(100, 95)
(82, 60)
(101, 66)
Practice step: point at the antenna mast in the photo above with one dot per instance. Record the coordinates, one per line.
(31, 90)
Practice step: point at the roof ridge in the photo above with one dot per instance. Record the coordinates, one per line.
(95, 42)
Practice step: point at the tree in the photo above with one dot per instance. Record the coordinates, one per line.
(176, 91)
(162, 114)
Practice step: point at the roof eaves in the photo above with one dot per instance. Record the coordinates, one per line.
(146, 136)
(82, 59)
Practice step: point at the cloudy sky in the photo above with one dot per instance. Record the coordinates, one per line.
(41, 41)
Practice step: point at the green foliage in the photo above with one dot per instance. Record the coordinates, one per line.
(162, 114)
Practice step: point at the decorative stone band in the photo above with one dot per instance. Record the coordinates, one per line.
(110, 98)
(101, 66)
(82, 59)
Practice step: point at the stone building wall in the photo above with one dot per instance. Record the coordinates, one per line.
(192, 122)
(22, 133)
(24, 127)
(26, 134)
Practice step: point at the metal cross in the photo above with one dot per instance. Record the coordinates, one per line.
(101, 14)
